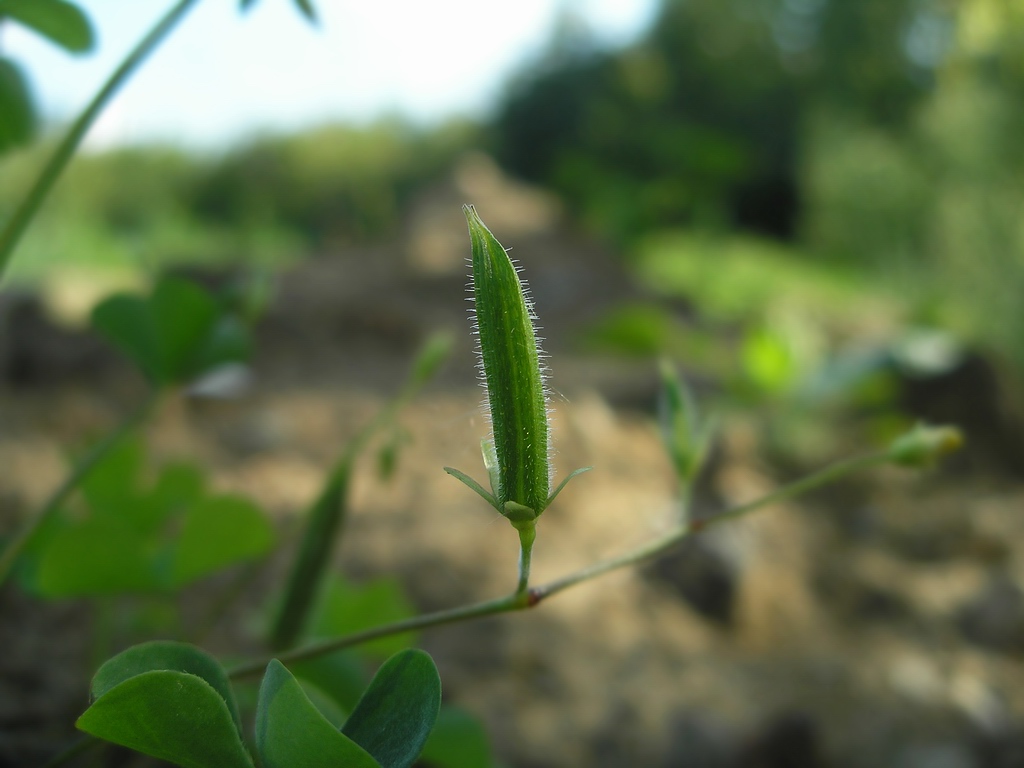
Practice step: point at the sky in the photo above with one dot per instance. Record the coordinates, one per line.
(224, 75)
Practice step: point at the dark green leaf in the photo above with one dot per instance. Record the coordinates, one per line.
(165, 655)
(58, 21)
(184, 316)
(177, 333)
(127, 323)
(173, 716)
(218, 532)
(340, 675)
(458, 740)
(178, 486)
(19, 122)
(96, 557)
(291, 732)
(397, 712)
(115, 477)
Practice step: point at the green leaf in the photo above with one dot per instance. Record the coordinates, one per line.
(165, 655)
(393, 719)
(346, 608)
(98, 556)
(19, 123)
(116, 476)
(459, 740)
(516, 397)
(292, 733)
(128, 324)
(178, 333)
(339, 675)
(58, 21)
(168, 700)
(185, 317)
(217, 532)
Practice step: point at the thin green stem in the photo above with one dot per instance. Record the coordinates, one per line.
(450, 616)
(527, 536)
(672, 538)
(26, 211)
(71, 482)
(525, 598)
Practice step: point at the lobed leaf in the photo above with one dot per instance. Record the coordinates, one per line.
(164, 655)
(217, 532)
(395, 715)
(292, 733)
(176, 334)
(167, 700)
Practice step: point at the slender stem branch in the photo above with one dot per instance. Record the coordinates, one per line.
(527, 536)
(71, 482)
(26, 211)
(464, 613)
(663, 543)
(525, 598)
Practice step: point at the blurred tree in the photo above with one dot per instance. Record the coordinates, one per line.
(701, 121)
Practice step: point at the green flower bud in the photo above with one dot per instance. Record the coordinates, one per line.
(517, 453)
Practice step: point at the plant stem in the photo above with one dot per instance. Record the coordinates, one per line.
(527, 536)
(71, 482)
(450, 616)
(327, 516)
(663, 543)
(525, 598)
(29, 206)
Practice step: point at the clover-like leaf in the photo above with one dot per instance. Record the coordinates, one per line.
(176, 334)
(217, 532)
(292, 733)
(164, 655)
(168, 700)
(395, 715)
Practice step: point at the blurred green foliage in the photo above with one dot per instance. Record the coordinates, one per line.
(262, 204)
(878, 139)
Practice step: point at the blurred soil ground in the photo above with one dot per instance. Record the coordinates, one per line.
(876, 623)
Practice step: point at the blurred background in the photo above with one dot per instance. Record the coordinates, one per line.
(814, 208)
